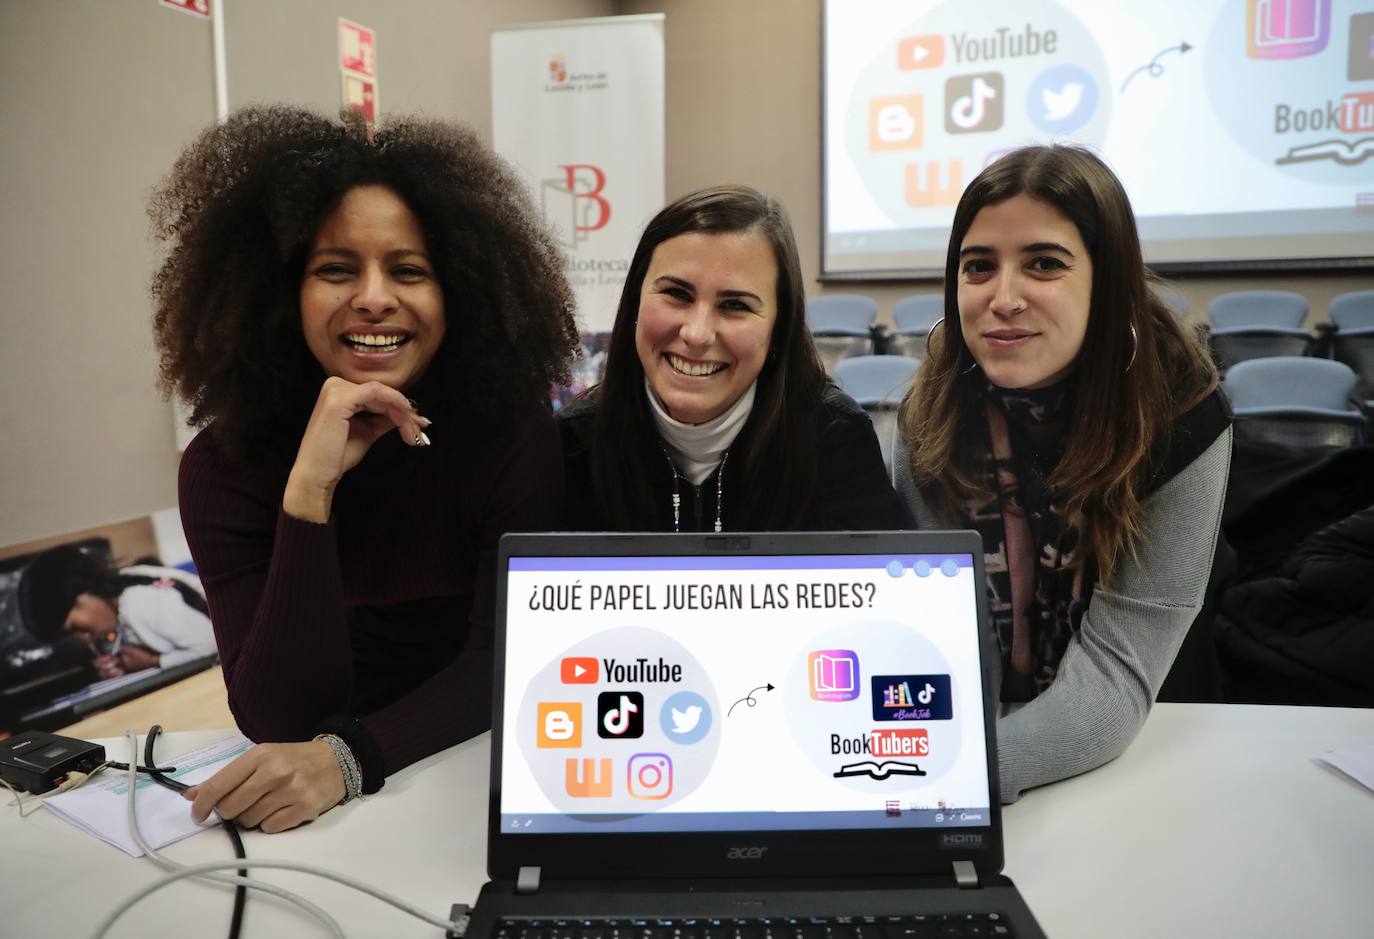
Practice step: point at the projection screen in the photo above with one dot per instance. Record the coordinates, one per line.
(1242, 129)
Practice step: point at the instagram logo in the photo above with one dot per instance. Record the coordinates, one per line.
(1286, 29)
(650, 776)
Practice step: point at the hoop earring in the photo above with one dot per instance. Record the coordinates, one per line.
(931, 332)
(1135, 345)
(940, 322)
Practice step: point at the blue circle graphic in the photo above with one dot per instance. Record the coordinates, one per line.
(922, 568)
(1062, 98)
(895, 569)
(688, 711)
(949, 567)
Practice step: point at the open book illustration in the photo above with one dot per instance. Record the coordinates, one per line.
(880, 770)
(1343, 152)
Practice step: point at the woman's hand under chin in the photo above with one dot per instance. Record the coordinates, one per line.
(348, 419)
(274, 786)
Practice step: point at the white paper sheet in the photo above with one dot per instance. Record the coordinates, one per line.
(100, 806)
(1356, 762)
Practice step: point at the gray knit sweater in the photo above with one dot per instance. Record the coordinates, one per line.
(1114, 665)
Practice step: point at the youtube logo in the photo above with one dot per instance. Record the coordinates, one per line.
(921, 52)
(579, 670)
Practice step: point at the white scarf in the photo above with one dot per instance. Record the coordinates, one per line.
(697, 449)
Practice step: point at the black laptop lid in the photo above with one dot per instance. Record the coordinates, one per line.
(725, 705)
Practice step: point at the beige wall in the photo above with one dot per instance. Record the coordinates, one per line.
(103, 93)
(744, 91)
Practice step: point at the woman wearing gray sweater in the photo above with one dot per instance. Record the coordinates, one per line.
(1065, 414)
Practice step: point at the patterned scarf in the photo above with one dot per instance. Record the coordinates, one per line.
(1037, 601)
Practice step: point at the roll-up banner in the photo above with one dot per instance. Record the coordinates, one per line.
(577, 108)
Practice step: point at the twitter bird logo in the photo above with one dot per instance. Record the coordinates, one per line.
(1060, 104)
(684, 722)
(686, 717)
(1062, 99)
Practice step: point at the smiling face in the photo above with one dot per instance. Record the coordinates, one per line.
(1025, 288)
(706, 314)
(371, 307)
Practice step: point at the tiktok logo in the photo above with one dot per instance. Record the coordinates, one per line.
(620, 715)
(973, 103)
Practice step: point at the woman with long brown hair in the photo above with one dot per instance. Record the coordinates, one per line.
(1067, 415)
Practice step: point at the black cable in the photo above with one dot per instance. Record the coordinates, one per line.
(150, 770)
(159, 776)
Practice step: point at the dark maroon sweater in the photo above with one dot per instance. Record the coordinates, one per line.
(414, 532)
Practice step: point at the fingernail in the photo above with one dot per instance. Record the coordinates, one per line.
(414, 405)
(424, 421)
(424, 438)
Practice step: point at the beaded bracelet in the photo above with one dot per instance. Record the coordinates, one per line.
(352, 775)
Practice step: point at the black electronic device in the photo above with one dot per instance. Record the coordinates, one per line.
(35, 761)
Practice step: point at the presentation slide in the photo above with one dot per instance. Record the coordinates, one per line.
(1243, 130)
(742, 693)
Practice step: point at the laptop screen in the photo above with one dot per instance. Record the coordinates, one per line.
(741, 693)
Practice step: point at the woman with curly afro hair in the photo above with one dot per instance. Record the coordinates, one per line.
(369, 325)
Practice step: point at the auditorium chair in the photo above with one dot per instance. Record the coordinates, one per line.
(842, 326)
(913, 318)
(1352, 314)
(1253, 324)
(1295, 401)
(878, 383)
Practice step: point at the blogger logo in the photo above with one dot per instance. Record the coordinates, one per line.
(895, 123)
(1062, 99)
(650, 776)
(560, 724)
(1286, 29)
(973, 103)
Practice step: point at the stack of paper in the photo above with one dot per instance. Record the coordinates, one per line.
(100, 807)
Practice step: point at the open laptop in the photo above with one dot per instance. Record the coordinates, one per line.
(744, 736)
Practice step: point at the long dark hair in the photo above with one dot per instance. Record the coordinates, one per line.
(776, 447)
(1122, 414)
(239, 211)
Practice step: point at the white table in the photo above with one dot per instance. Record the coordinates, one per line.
(1214, 823)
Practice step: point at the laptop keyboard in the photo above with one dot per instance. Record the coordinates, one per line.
(928, 926)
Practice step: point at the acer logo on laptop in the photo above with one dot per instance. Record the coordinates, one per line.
(746, 854)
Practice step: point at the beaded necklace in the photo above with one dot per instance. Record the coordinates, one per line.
(677, 493)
